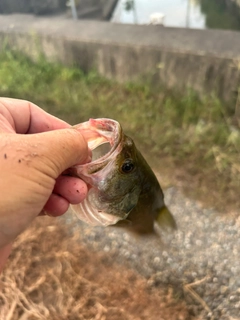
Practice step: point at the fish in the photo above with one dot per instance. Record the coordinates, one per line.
(123, 189)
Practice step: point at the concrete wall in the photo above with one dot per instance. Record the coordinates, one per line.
(206, 61)
(32, 6)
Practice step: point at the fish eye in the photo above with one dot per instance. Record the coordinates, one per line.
(128, 166)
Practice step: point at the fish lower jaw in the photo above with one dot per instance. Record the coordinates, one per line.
(93, 216)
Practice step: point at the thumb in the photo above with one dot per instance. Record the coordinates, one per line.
(58, 150)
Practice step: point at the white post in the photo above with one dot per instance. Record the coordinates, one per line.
(74, 10)
(135, 12)
(188, 14)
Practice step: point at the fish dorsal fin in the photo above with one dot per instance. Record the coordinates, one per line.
(165, 219)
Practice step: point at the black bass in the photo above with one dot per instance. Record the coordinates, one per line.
(123, 189)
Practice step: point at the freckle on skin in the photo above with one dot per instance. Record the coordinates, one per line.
(5, 156)
(77, 191)
(19, 161)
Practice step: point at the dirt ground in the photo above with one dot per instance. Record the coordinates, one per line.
(51, 275)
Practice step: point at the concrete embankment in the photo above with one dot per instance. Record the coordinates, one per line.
(204, 60)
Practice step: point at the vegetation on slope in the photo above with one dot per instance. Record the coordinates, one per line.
(188, 140)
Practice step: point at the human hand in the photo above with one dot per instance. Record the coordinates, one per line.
(35, 149)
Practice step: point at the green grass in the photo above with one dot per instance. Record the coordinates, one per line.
(194, 135)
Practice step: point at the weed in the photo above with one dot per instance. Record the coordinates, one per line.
(194, 135)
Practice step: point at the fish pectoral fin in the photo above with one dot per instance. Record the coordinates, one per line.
(123, 223)
(165, 219)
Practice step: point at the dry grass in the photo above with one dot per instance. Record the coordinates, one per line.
(51, 275)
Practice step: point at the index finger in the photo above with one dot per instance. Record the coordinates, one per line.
(22, 116)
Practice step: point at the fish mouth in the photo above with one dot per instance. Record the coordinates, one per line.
(98, 132)
(85, 212)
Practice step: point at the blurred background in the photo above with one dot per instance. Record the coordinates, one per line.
(168, 71)
(200, 14)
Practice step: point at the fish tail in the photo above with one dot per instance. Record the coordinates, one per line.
(165, 219)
